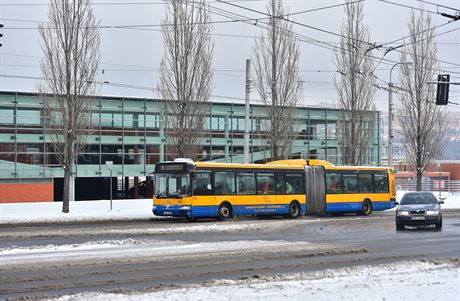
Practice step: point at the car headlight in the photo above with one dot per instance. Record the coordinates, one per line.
(402, 212)
(432, 212)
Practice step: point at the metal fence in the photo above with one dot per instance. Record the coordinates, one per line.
(428, 185)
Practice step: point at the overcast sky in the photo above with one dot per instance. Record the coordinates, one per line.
(131, 56)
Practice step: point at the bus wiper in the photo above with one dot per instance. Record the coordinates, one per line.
(162, 195)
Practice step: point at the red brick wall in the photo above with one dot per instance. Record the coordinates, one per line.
(26, 192)
(453, 168)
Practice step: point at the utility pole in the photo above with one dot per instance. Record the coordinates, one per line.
(390, 115)
(246, 111)
(390, 129)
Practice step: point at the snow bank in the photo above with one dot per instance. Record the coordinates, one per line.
(414, 280)
(79, 211)
(122, 210)
(130, 248)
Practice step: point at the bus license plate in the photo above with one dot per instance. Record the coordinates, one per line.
(167, 213)
(418, 218)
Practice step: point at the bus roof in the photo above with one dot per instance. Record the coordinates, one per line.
(247, 166)
(302, 162)
(296, 164)
(356, 167)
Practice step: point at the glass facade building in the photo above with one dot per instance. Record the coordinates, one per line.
(130, 133)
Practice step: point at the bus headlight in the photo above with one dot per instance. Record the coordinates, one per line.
(185, 208)
(432, 212)
(403, 213)
(154, 207)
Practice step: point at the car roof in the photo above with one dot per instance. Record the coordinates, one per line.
(419, 192)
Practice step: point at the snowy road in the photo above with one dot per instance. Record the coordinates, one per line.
(145, 258)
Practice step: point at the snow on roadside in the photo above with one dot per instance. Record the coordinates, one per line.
(79, 211)
(413, 280)
(91, 245)
(158, 246)
(131, 209)
(160, 250)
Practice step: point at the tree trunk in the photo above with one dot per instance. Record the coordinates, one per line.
(66, 190)
(419, 179)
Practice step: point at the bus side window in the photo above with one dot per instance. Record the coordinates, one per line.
(265, 183)
(381, 182)
(333, 183)
(225, 182)
(350, 183)
(202, 183)
(281, 183)
(246, 183)
(294, 184)
(365, 182)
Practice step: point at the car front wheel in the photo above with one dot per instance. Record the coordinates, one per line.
(399, 227)
(439, 224)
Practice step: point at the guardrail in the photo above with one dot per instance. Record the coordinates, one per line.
(428, 185)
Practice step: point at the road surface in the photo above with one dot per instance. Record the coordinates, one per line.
(49, 260)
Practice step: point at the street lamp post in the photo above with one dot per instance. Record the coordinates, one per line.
(390, 114)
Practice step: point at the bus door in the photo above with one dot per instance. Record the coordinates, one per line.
(266, 193)
(316, 189)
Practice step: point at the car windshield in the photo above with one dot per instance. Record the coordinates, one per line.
(172, 185)
(418, 198)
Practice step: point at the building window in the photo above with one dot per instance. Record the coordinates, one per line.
(28, 117)
(6, 116)
(152, 121)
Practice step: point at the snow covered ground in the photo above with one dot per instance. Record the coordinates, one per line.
(160, 250)
(121, 210)
(79, 211)
(412, 280)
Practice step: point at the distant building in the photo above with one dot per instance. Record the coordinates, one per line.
(129, 132)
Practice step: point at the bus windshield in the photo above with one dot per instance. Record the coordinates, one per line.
(172, 185)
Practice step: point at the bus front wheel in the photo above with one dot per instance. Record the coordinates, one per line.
(294, 210)
(366, 208)
(225, 211)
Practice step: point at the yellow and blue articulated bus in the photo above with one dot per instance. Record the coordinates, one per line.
(185, 188)
(203, 189)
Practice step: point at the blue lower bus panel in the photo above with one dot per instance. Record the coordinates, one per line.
(357, 206)
(212, 211)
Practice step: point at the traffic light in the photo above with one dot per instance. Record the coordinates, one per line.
(442, 92)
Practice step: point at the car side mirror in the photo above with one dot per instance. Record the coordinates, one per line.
(396, 203)
(441, 202)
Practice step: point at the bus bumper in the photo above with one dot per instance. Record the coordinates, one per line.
(172, 210)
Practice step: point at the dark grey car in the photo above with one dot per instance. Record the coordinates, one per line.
(418, 209)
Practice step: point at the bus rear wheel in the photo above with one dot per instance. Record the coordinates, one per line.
(225, 211)
(294, 210)
(366, 207)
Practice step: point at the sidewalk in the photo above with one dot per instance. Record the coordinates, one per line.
(80, 211)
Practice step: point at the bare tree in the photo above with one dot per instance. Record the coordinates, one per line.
(276, 58)
(70, 43)
(423, 123)
(186, 74)
(355, 85)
